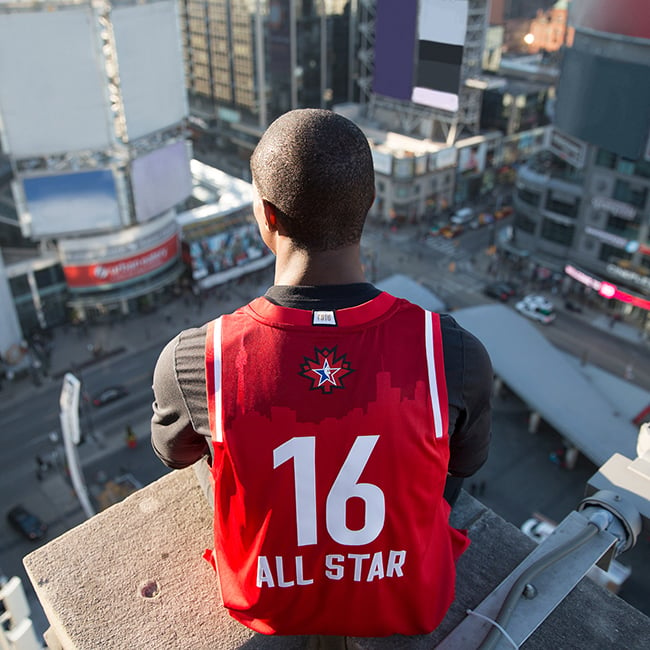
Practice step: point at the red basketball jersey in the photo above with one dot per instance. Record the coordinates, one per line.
(330, 457)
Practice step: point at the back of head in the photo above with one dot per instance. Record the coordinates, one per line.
(316, 168)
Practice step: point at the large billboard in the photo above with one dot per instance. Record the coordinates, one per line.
(220, 247)
(104, 261)
(395, 27)
(441, 35)
(605, 102)
(160, 180)
(108, 274)
(52, 88)
(150, 57)
(77, 202)
(419, 50)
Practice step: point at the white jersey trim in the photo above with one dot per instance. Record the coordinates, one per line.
(218, 411)
(431, 369)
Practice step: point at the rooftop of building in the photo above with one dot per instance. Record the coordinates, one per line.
(214, 192)
(133, 577)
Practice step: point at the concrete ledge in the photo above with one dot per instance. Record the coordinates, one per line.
(132, 578)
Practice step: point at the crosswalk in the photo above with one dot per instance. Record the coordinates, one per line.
(448, 247)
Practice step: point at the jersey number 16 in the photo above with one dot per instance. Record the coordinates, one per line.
(345, 487)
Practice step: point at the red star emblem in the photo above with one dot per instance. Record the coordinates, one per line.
(326, 371)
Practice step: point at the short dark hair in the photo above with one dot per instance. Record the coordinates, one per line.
(315, 167)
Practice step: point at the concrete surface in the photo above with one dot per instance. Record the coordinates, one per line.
(132, 578)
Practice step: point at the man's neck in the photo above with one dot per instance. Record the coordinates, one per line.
(296, 267)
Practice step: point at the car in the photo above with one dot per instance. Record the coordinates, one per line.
(485, 218)
(462, 217)
(538, 308)
(500, 290)
(504, 212)
(109, 395)
(449, 232)
(538, 528)
(26, 523)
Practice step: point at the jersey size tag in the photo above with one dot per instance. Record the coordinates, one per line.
(327, 318)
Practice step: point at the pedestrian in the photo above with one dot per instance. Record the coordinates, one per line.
(131, 440)
(332, 420)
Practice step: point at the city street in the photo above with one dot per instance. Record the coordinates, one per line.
(517, 480)
(463, 287)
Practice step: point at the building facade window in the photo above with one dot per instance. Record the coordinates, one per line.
(635, 196)
(402, 191)
(557, 233)
(529, 197)
(560, 206)
(606, 158)
(625, 166)
(610, 253)
(622, 227)
(524, 223)
(20, 286)
(48, 277)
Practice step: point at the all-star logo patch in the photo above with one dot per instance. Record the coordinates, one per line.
(326, 371)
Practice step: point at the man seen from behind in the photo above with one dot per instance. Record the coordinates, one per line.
(334, 418)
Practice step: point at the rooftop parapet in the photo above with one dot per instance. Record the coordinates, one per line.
(132, 577)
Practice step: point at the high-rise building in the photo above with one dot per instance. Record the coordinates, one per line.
(93, 118)
(583, 205)
(249, 61)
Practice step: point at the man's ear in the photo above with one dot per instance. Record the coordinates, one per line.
(270, 215)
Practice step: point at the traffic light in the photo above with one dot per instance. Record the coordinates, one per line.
(16, 629)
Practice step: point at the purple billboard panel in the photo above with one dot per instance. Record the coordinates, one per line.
(67, 203)
(161, 180)
(395, 27)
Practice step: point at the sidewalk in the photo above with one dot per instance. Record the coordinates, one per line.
(76, 347)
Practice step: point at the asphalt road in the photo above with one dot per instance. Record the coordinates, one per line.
(27, 424)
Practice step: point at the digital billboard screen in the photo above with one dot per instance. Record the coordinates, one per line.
(224, 249)
(52, 88)
(147, 37)
(161, 179)
(67, 203)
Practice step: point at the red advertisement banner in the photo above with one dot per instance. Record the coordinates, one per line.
(116, 271)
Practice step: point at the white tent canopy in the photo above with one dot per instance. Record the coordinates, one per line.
(582, 408)
(402, 286)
